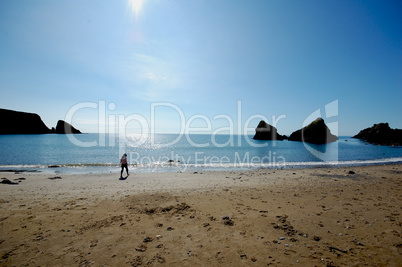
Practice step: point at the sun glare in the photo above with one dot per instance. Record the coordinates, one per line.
(135, 6)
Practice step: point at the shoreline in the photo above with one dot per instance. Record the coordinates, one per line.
(168, 167)
(317, 216)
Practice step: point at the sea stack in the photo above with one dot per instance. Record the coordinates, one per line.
(65, 128)
(381, 134)
(316, 132)
(16, 122)
(264, 131)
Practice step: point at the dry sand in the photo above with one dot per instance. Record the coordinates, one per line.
(306, 217)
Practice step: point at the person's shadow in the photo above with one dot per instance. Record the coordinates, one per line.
(123, 178)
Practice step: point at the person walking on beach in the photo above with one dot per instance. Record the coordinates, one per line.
(123, 162)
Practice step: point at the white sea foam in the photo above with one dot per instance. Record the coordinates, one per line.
(183, 167)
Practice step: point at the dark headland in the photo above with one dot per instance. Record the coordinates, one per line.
(17, 122)
(381, 134)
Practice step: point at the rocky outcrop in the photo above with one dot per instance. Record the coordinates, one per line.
(381, 134)
(316, 132)
(16, 122)
(264, 131)
(63, 127)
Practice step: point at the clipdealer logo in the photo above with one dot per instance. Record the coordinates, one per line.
(107, 125)
(327, 153)
(114, 126)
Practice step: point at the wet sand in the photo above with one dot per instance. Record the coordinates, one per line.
(348, 216)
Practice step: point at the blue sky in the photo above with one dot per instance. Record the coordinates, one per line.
(276, 57)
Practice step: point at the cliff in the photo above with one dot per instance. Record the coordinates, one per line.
(16, 122)
(264, 131)
(381, 134)
(316, 132)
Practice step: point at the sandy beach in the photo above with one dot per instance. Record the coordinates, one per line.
(347, 216)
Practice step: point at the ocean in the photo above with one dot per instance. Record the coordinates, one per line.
(97, 153)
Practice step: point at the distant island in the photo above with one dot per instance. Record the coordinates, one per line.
(17, 122)
(316, 132)
(264, 131)
(381, 134)
(63, 127)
